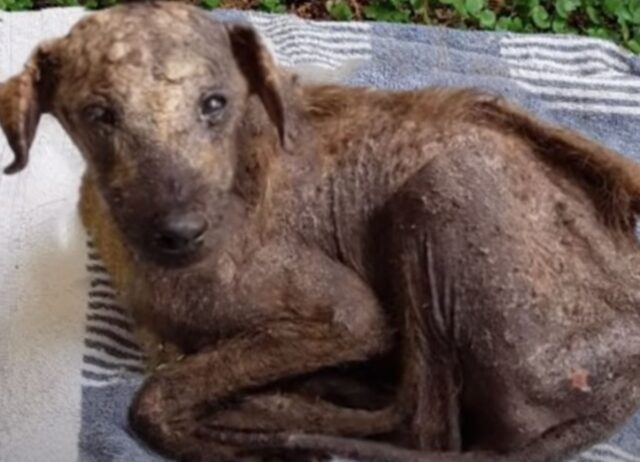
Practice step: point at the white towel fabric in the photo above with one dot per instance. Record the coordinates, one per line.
(43, 281)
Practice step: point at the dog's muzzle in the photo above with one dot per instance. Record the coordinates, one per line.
(178, 234)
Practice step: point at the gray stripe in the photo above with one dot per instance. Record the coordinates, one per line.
(104, 332)
(117, 322)
(97, 268)
(110, 350)
(107, 307)
(102, 294)
(295, 28)
(101, 282)
(111, 366)
(295, 49)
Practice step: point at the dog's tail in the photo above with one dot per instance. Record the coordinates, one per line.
(612, 180)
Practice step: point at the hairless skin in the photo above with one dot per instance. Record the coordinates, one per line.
(482, 260)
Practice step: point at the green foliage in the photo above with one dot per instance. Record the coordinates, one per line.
(616, 20)
(90, 4)
(15, 5)
(210, 4)
(389, 10)
(272, 6)
(339, 10)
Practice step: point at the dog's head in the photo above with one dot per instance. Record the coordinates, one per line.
(160, 99)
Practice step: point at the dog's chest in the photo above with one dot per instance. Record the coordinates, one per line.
(200, 307)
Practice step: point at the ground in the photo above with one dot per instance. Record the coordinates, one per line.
(616, 20)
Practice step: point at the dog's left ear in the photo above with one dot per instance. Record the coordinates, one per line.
(261, 73)
(23, 99)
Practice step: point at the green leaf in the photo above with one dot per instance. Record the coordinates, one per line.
(540, 18)
(520, 3)
(560, 26)
(599, 32)
(509, 24)
(417, 4)
(593, 14)
(211, 4)
(370, 11)
(384, 11)
(634, 11)
(624, 30)
(18, 5)
(565, 7)
(272, 6)
(339, 10)
(459, 6)
(474, 7)
(501, 24)
(634, 45)
(516, 25)
(623, 14)
(487, 19)
(612, 6)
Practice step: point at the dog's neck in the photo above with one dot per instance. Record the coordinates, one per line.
(351, 156)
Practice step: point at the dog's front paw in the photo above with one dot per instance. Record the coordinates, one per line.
(157, 414)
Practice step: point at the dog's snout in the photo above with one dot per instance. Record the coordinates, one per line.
(180, 232)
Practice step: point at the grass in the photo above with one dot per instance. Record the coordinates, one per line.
(616, 20)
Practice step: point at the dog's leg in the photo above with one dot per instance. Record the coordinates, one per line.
(431, 381)
(555, 445)
(328, 317)
(275, 412)
(169, 408)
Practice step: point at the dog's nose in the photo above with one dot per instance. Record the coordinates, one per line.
(180, 232)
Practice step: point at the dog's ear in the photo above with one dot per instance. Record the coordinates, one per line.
(23, 99)
(259, 69)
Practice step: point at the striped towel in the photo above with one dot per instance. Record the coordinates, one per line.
(586, 84)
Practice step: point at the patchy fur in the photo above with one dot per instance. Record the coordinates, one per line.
(442, 243)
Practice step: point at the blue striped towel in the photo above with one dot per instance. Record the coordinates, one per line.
(586, 84)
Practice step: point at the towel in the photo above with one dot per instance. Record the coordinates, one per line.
(69, 363)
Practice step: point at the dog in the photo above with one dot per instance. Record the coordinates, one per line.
(482, 260)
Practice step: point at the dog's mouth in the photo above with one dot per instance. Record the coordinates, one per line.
(173, 257)
(167, 253)
(175, 260)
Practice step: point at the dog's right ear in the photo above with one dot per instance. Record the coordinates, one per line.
(23, 99)
(258, 67)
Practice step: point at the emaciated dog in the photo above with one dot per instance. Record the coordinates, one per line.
(274, 230)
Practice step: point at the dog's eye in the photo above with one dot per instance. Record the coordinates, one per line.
(99, 114)
(212, 105)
